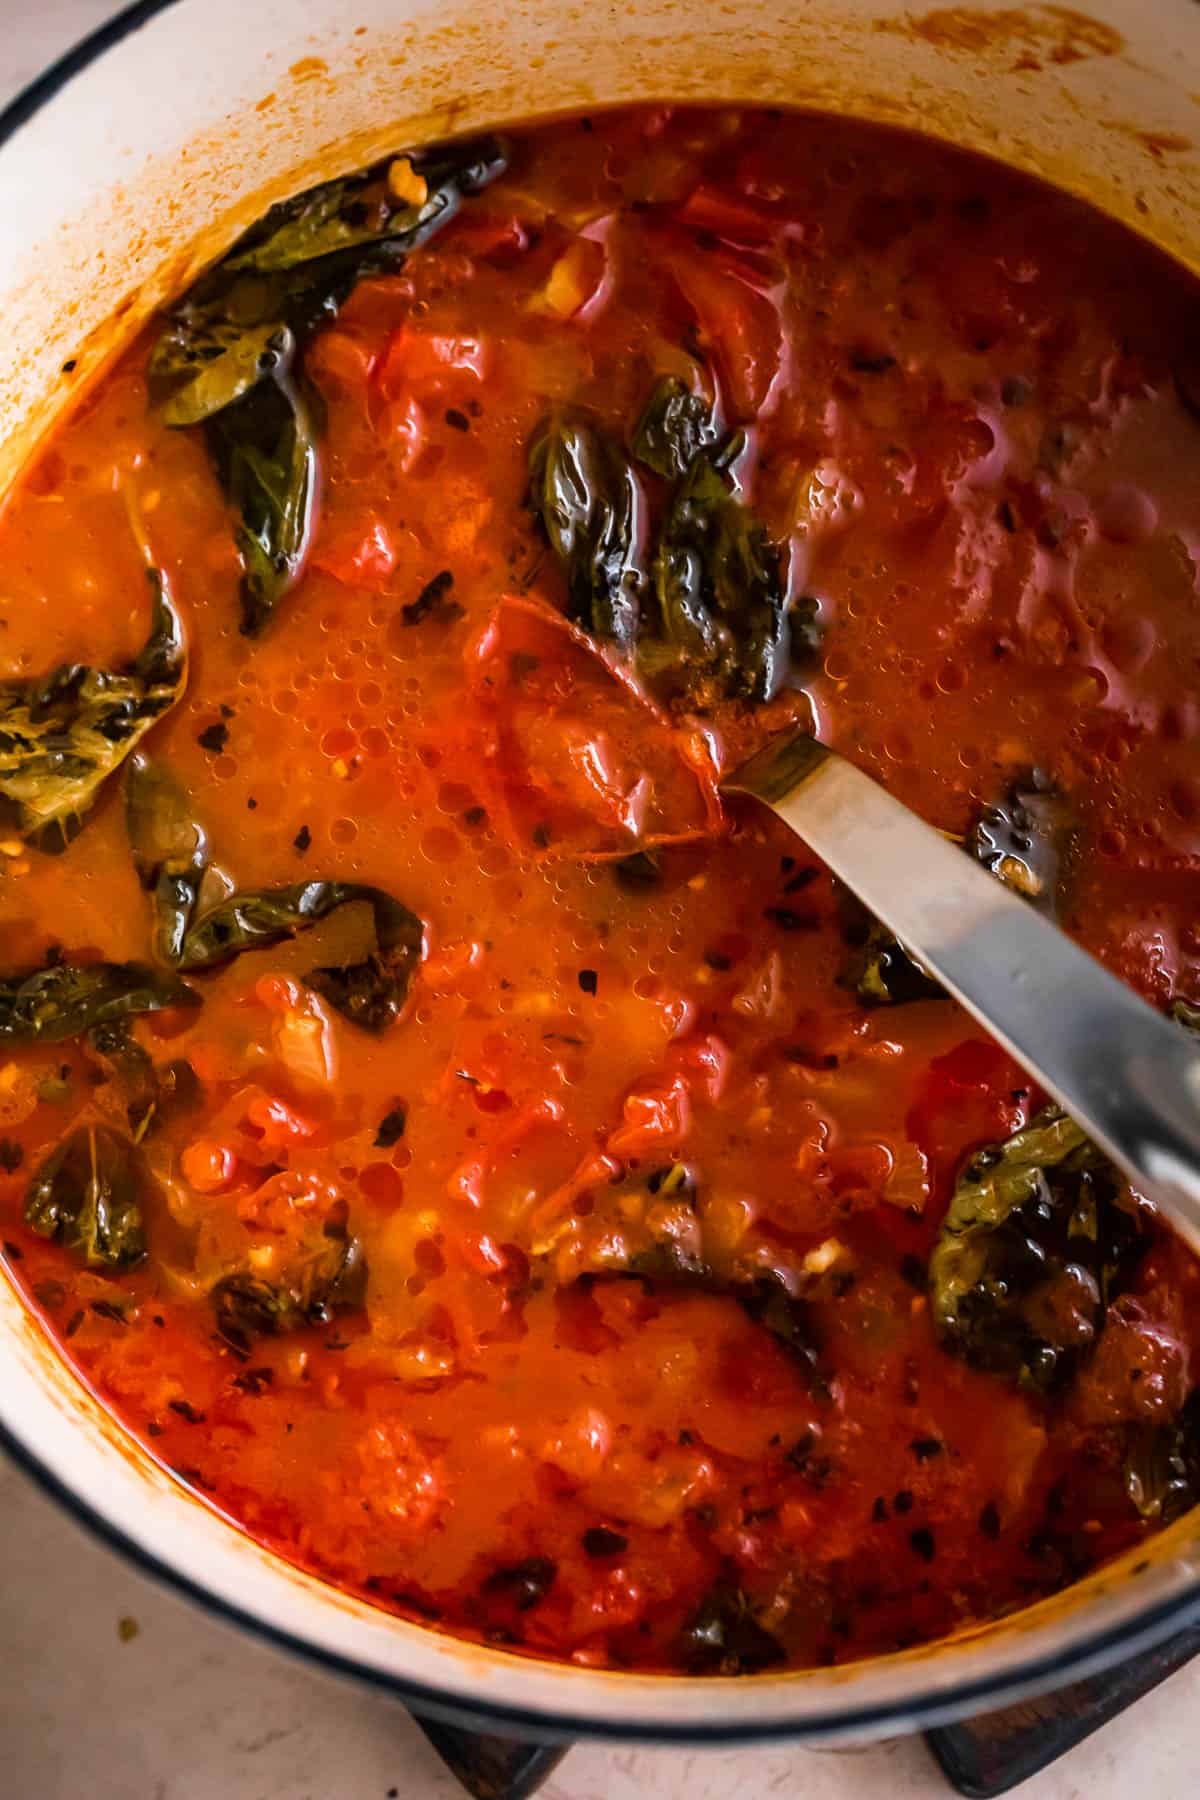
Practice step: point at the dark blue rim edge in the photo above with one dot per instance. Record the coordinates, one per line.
(982, 1694)
(45, 86)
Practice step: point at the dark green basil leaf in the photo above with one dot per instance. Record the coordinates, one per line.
(1162, 1464)
(264, 449)
(877, 967)
(882, 973)
(667, 1250)
(785, 1315)
(723, 1636)
(151, 1092)
(292, 271)
(67, 999)
(1026, 840)
(1041, 1233)
(675, 425)
(722, 611)
(591, 507)
(334, 1280)
(358, 212)
(228, 351)
(170, 850)
(370, 993)
(62, 735)
(87, 1194)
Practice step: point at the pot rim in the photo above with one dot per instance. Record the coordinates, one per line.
(1052, 1666)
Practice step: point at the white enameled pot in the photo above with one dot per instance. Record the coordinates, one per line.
(140, 156)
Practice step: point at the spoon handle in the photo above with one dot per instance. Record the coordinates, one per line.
(1125, 1073)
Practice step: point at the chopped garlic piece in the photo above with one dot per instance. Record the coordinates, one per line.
(823, 1257)
(405, 184)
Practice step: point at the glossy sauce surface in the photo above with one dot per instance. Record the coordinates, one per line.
(965, 401)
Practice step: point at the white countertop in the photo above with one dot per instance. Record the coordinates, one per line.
(185, 1708)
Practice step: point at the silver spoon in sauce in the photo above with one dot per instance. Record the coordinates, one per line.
(1127, 1075)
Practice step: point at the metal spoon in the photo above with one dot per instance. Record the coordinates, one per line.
(1125, 1073)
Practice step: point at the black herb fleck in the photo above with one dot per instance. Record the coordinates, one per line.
(391, 1127)
(868, 362)
(805, 1057)
(600, 1540)
(524, 1583)
(214, 737)
(431, 599)
(922, 1542)
(187, 1411)
(588, 980)
(788, 919)
(302, 839)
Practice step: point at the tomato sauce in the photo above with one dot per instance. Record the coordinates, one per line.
(582, 1306)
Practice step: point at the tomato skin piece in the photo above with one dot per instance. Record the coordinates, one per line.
(362, 556)
(427, 362)
(209, 1167)
(738, 313)
(658, 1119)
(343, 358)
(730, 217)
(491, 236)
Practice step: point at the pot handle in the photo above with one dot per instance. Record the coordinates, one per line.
(493, 1768)
(988, 1755)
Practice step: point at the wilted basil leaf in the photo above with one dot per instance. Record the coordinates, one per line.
(291, 272)
(525, 1583)
(722, 612)
(1041, 1233)
(786, 1316)
(264, 449)
(666, 1248)
(370, 993)
(882, 973)
(228, 351)
(1162, 1464)
(360, 212)
(63, 735)
(1025, 840)
(591, 507)
(332, 1280)
(675, 424)
(67, 999)
(878, 968)
(87, 1195)
(151, 1092)
(723, 1636)
(170, 850)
